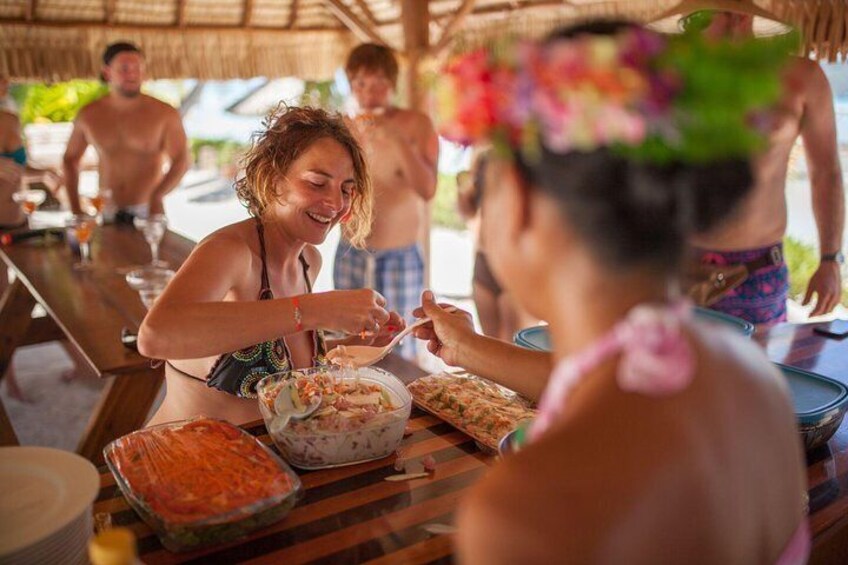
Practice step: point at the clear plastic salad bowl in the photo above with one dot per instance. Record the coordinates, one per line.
(362, 415)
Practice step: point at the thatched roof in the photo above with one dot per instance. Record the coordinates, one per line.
(60, 39)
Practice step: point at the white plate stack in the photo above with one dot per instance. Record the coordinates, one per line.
(45, 505)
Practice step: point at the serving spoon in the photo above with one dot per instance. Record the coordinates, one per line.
(356, 356)
(286, 408)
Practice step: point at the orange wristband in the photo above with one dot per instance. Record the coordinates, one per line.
(298, 315)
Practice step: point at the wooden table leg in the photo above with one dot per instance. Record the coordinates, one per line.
(7, 432)
(15, 318)
(122, 408)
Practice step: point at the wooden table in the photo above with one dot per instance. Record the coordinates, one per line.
(352, 515)
(798, 346)
(89, 309)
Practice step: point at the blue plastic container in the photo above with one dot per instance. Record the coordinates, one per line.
(744, 327)
(537, 337)
(820, 404)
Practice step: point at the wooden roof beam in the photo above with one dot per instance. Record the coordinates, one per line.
(147, 27)
(110, 11)
(31, 7)
(448, 31)
(247, 13)
(181, 13)
(293, 7)
(351, 21)
(513, 6)
(363, 5)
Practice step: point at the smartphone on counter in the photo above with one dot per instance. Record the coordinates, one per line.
(836, 329)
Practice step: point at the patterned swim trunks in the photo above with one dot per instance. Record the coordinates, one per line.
(761, 299)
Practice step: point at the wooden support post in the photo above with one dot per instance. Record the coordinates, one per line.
(42, 330)
(415, 16)
(122, 408)
(15, 318)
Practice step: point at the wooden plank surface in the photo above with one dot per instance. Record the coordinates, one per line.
(799, 346)
(348, 515)
(91, 307)
(352, 515)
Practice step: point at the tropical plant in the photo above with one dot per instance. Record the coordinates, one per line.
(802, 260)
(59, 102)
(322, 94)
(445, 211)
(227, 150)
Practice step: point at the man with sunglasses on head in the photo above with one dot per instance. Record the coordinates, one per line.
(753, 235)
(134, 135)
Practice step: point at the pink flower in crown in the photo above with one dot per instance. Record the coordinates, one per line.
(468, 98)
(476, 97)
(578, 94)
(620, 125)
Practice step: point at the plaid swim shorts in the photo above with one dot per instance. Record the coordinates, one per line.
(397, 274)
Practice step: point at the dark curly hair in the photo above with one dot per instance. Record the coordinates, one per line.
(289, 132)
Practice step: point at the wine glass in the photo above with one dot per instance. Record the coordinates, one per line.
(82, 227)
(29, 201)
(153, 228)
(149, 282)
(99, 202)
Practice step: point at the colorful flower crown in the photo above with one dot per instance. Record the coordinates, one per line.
(652, 97)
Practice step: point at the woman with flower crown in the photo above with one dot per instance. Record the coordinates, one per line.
(659, 439)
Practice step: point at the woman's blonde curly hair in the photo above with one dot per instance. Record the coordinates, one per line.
(289, 132)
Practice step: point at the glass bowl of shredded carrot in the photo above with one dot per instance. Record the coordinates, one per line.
(202, 481)
(361, 417)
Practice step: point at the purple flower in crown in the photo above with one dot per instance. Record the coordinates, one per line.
(663, 86)
(640, 48)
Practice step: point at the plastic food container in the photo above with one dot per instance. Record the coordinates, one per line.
(538, 337)
(820, 404)
(362, 416)
(478, 407)
(744, 327)
(201, 482)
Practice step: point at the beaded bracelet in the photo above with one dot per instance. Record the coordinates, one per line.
(298, 315)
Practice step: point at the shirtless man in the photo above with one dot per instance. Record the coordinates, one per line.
(402, 149)
(133, 134)
(754, 234)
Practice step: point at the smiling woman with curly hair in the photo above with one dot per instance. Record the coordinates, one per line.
(242, 307)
